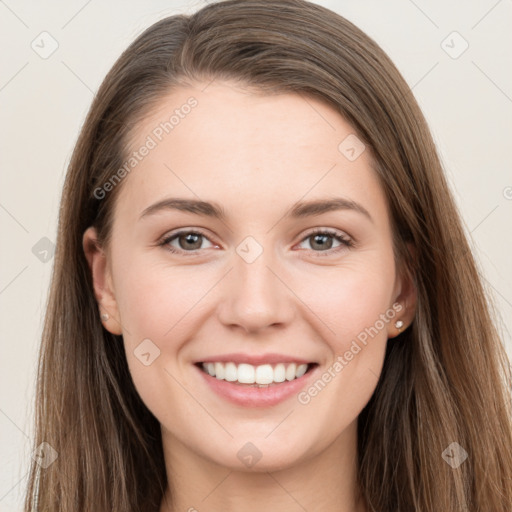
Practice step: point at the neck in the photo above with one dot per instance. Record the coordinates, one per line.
(325, 481)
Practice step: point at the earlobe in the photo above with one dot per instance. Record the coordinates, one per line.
(407, 298)
(101, 281)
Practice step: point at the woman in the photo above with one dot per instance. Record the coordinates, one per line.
(324, 343)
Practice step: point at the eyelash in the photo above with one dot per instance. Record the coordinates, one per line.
(345, 241)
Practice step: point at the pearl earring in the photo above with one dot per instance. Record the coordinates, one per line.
(104, 317)
(399, 324)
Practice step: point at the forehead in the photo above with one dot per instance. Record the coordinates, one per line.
(248, 151)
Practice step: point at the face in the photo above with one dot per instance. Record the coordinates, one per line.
(257, 276)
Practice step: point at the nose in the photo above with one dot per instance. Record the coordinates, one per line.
(254, 296)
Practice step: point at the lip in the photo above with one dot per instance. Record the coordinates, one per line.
(255, 360)
(248, 396)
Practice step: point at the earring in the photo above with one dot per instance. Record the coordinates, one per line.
(399, 324)
(104, 317)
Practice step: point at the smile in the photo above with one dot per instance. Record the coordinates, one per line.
(262, 375)
(264, 385)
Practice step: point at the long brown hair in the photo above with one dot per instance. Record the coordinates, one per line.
(445, 379)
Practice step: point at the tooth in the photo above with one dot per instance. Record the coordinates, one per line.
(290, 371)
(279, 373)
(246, 374)
(264, 374)
(219, 371)
(301, 370)
(230, 373)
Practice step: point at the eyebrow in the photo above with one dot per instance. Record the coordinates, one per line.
(300, 209)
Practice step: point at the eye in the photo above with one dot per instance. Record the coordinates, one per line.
(321, 241)
(188, 241)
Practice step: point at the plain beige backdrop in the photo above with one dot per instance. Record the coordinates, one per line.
(456, 56)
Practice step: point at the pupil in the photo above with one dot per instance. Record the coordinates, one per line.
(189, 238)
(323, 244)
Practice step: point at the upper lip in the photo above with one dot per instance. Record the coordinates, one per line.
(255, 359)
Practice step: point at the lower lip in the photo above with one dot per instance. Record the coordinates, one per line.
(249, 396)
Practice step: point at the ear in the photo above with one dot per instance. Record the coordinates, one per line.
(102, 281)
(407, 297)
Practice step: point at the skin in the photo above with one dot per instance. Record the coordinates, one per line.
(256, 155)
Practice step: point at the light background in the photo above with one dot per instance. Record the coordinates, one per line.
(467, 101)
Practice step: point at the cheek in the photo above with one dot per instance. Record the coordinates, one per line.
(158, 300)
(155, 297)
(354, 312)
(350, 298)
(156, 304)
